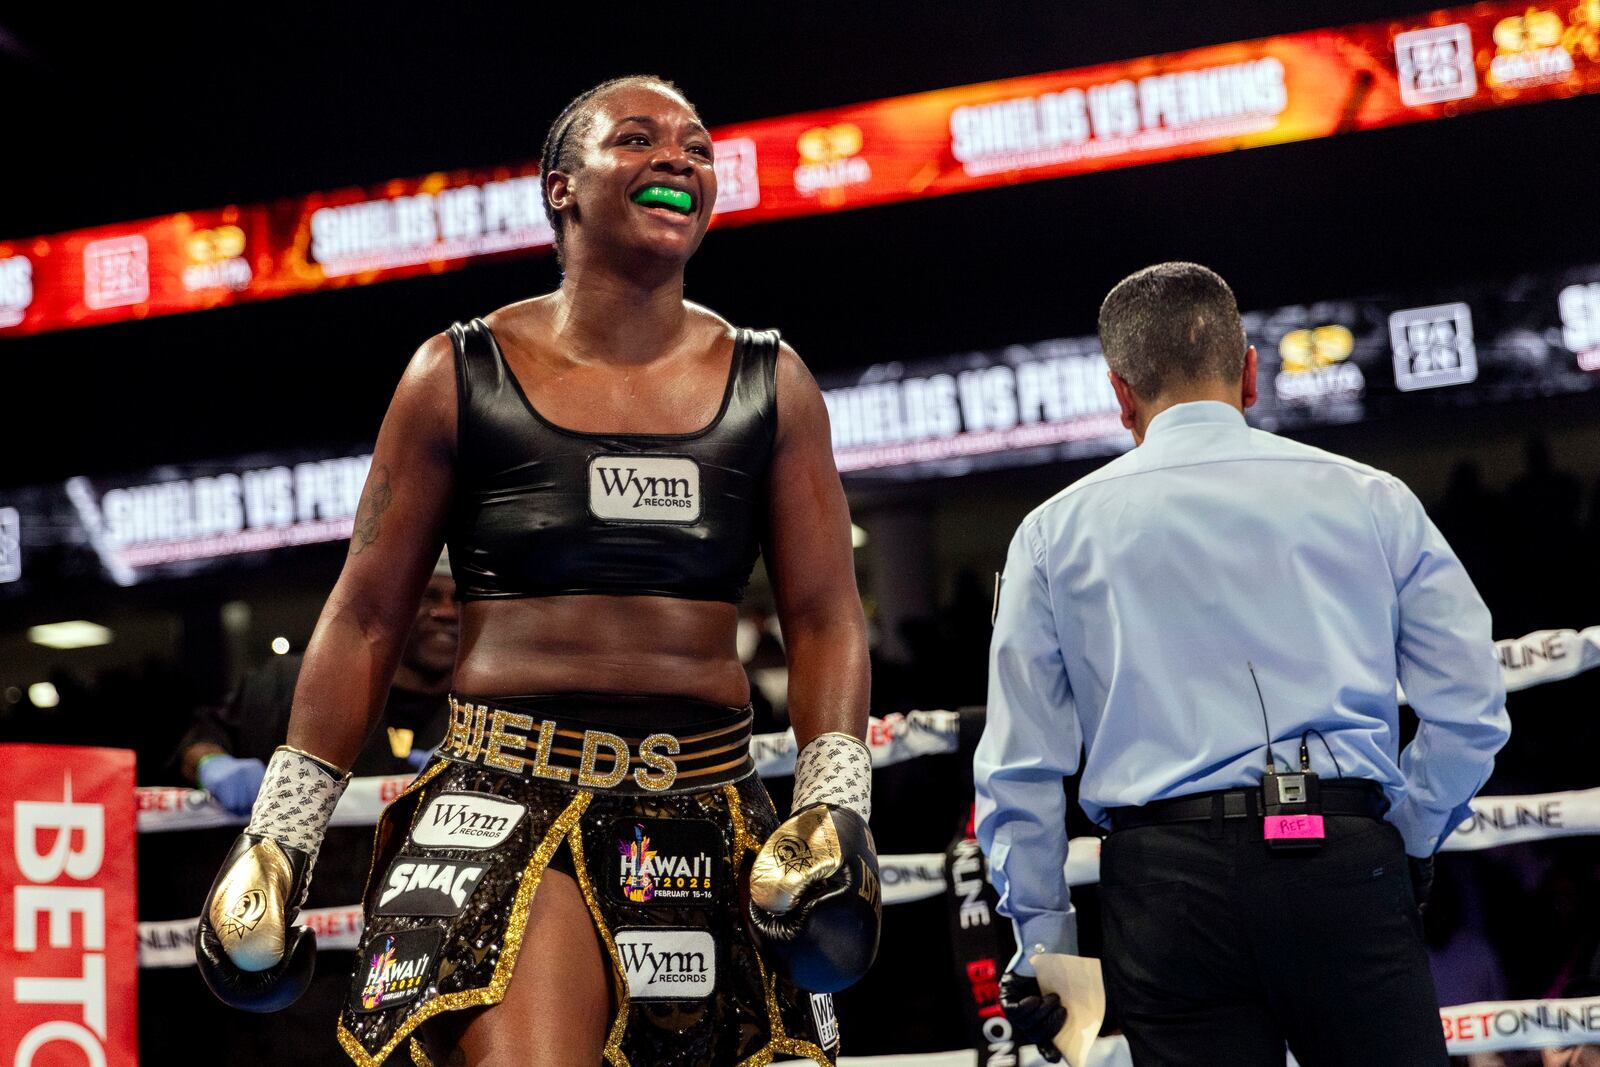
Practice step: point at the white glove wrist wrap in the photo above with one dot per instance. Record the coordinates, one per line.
(835, 769)
(297, 798)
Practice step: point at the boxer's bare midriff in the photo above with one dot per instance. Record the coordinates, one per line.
(601, 644)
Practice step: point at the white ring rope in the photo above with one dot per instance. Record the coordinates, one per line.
(1482, 1027)
(1490, 1026)
(1543, 656)
(1495, 820)
(1547, 656)
(1508, 820)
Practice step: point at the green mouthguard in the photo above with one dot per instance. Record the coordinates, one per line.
(676, 199)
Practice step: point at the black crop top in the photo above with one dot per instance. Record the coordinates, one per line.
(541, 510)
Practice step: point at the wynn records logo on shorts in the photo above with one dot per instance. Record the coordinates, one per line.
(644, 488)
(827, 1022)
(663, 963)
(667, 861)
(417, 886)
(395, 968)
(466, 820)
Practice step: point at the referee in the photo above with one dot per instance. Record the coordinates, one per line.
(1217, 620)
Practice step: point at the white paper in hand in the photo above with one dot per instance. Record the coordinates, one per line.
(1082, 989)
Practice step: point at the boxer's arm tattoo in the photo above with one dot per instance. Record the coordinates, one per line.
(377, 500)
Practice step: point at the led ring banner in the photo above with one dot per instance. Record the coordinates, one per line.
(1220, 98)
(1323, 363)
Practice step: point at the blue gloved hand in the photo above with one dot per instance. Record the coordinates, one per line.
(233, 782)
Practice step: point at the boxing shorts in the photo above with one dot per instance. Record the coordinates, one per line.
(653, 806)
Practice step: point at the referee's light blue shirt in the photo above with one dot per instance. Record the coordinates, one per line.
(1133, 600)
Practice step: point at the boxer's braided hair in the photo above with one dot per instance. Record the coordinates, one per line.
(576, 116)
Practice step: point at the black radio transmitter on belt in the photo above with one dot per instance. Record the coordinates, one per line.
(1290, 801)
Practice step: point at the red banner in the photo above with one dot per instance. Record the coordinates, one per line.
(69, 962)
(1221, 98)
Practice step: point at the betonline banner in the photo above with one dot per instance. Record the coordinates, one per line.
(69, 964)
(1321, 364)
(1274, 90)
(175, 521)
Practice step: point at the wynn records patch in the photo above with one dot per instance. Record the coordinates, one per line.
(636, 487)
(394, 969)
(666, 861)
(663, 963)
(415, 885)
(466, 820)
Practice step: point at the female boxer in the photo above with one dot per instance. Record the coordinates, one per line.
(585, 870)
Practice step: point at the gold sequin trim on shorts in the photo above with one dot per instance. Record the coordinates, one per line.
(495, 991)
(619, 1022)
(419, 1055)
(742, 841)
(779, 1041)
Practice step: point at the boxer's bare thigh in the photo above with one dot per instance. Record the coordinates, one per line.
(558, 1005)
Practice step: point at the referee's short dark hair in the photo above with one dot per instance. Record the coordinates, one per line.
(1169, 325)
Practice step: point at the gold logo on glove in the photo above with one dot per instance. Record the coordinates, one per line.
(250, 909)
(802, 851)
(791, 854)
(247, 912)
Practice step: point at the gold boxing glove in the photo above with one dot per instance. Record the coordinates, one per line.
(248, 950)
(802, 851)
(252, 902)
(814, 903)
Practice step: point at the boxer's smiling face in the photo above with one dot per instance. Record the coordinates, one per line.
(641, 177)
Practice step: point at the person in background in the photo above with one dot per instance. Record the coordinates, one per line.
(226, 748)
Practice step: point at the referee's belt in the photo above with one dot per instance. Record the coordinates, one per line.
(1340, 796)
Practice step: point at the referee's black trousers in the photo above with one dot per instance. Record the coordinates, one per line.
(1218, 951)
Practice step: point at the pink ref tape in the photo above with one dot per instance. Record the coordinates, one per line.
(1279, 827)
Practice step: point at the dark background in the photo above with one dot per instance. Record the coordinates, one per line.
(132, 113)
(140, 111)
